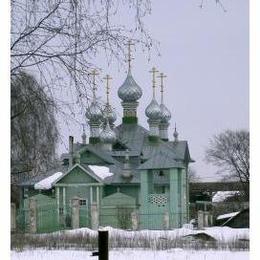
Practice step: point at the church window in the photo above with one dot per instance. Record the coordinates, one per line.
(25, 192)
(61, 211)
(82, 202)
(161, 173)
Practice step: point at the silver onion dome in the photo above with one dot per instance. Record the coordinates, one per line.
(110, 114)
(94, 112)
(153, 110)
(107, 135)
(165, 114)
(129, 91)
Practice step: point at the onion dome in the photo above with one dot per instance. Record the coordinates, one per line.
(94, 113)
(165, 114)
(129, 91)
(175, 134)
(107, 135)
(110, 114)
(153, 110)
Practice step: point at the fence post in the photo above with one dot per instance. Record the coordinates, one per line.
(32, 216)
(134, 218)
(94, 216)
(13, 217)
(103, 245)
(210, 219)
(200, 219)
(75, 213)
(206, 218)
(166, 220)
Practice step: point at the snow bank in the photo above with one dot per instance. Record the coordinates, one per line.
(101, 171)
(222, 234)
(220, 196)
(129, 254)
(46, 183)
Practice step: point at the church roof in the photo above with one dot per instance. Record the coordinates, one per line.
(160, 161)
(132, 135)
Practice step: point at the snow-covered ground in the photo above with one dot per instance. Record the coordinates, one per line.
(222, 234)
(174, 254)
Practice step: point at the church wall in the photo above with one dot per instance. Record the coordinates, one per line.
(159, 198)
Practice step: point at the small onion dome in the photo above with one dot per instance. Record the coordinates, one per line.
(153, 110)
(110, 113)
(129, 91)
(175, 135)
(94, 113)
(165, 114)
(107, 135)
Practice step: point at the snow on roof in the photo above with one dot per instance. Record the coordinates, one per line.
(46, 183)
(101, 171)
(222, 195)
(228, 215)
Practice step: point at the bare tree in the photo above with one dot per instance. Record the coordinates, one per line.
(59, 40)
(192, 175)
(33, 126)
(230, 151)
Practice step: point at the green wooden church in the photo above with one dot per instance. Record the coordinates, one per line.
(127, 173)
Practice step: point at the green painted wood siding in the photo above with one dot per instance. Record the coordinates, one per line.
(77, 175)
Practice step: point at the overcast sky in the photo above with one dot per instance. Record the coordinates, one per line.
(204, 53)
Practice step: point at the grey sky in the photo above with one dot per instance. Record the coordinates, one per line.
(205, 57)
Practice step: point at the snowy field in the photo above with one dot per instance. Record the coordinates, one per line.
(223, 234)
(174, 254)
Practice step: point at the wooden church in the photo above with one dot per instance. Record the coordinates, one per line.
(124, 172)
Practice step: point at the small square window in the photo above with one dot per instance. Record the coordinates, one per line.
(82, 202)
(61, 211)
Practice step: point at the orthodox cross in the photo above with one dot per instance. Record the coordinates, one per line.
(83, 127)
(107, 78)
(94, 73)
(153, 71)
(162, 76)
(130, 58)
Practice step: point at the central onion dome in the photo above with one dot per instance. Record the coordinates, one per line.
(110, 114)
(165, 114)
(107, 136)
(153, 110)
(94, 113)
(129, 91)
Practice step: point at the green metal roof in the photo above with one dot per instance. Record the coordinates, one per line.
(160, 161)
(157, 155)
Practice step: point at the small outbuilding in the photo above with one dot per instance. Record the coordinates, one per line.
(238, 219)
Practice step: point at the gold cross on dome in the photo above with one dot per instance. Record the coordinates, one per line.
(153, 71)
(130, 58)
(107, 78)
(162, 76)
(94, 73)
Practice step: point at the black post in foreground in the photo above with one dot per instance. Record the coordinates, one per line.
(103, 245)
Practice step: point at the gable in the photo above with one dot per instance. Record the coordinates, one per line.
(77, 175)
(118, 199)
